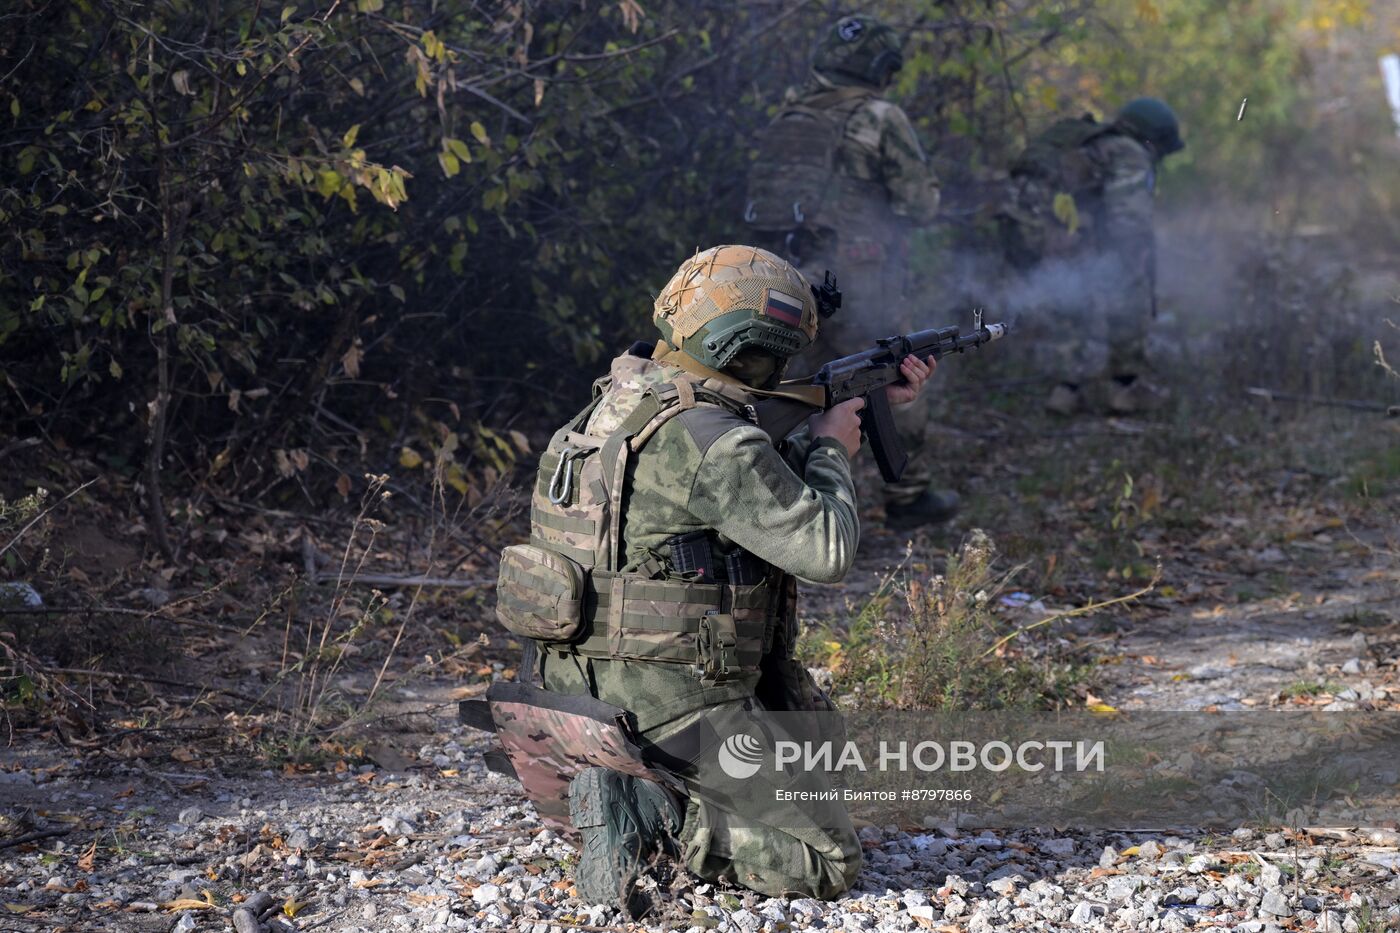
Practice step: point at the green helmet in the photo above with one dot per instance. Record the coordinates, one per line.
(860, 47)
(1152, 121)
(729, 299)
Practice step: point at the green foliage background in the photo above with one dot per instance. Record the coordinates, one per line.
(257, 244)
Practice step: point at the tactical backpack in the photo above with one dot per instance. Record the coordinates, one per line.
(794, 183)
(1057, 156)
(1042, 216)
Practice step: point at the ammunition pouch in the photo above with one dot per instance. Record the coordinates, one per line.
(716, 649)
(547, 738)
(721, 629)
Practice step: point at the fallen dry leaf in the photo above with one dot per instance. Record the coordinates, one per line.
(88, 858)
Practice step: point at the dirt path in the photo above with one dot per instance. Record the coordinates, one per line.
(1330, 641)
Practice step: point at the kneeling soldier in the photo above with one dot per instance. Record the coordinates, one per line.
(659, 588)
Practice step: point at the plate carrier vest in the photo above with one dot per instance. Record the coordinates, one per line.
(565, 588)
(794, 183)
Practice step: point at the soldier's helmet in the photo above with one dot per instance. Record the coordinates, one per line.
(1151, 120)
(731, 299)
(860, 47)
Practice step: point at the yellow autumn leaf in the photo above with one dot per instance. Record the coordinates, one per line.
(186, 903)
(1130, 850)
(479, 131)
(291, 906)
(458, 148)
(19, 908)
(408, 457)
(1066, 212)
(1101, 708)
(455, 477)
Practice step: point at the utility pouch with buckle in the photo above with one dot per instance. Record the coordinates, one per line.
(716, 655)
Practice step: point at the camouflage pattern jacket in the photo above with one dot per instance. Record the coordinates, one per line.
(1120, 208)
(1108, 211)
(880, 178)
(710, 469)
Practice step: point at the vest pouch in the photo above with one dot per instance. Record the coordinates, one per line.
(540, 594)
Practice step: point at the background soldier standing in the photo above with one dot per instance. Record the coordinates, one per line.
(1081, 193)
(690, 528)
(839, 183)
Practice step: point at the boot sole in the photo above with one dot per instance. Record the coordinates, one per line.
(601, 875)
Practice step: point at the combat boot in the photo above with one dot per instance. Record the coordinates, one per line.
(1065, 400)
(625, 822)
(1130, 395)
(930, 508)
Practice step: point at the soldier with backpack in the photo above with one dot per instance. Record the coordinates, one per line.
(1081, 195)
(839, 182)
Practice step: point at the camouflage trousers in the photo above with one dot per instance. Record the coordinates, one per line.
(764, 831)
(771, 832)
(1076, 332)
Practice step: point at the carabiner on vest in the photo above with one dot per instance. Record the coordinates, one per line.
(564, 472)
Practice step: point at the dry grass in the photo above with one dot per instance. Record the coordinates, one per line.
(941, 644)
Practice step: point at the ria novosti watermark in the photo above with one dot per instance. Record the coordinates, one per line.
(741, 756)
(1061, 768)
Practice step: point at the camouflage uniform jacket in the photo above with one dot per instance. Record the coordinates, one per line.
(879, 146)
(709, 469)
(1122, 198)
(1122, 212)
(1112, 184)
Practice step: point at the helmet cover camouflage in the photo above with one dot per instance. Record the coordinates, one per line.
(860, 47)
(732, 298)
(1151, 120)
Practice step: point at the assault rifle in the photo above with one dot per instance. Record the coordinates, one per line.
(865, 375)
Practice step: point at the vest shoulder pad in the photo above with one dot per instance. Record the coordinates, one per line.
(708, 423)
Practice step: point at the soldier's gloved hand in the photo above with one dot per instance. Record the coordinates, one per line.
(841, 422)
(915, 372)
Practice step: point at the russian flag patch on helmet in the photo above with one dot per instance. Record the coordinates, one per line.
(783, 307)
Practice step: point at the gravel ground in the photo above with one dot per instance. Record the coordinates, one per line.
(450, 846)
(428, 840)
